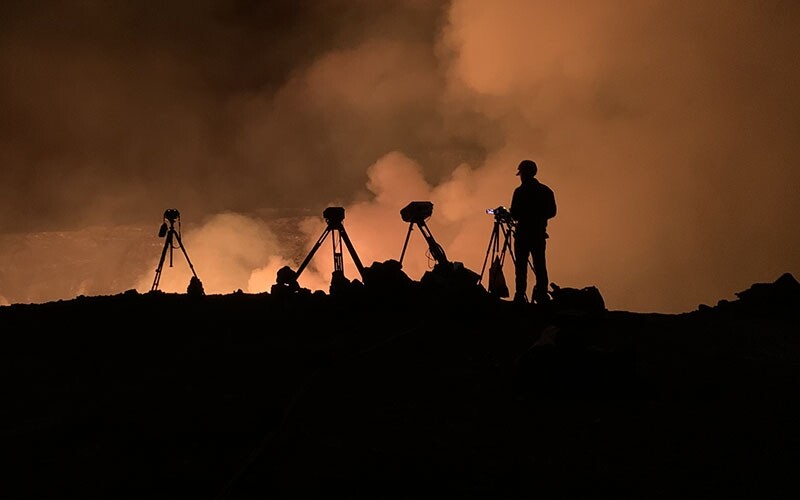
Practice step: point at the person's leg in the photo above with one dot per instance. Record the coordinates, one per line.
(540, 271)
(521, 252)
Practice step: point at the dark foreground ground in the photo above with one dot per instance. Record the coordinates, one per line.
(384, 395)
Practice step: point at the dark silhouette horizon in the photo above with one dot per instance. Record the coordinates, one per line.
(404, 391)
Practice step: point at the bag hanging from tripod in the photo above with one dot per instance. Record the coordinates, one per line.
(497, 280)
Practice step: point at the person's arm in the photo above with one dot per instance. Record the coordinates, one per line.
(515, 205)
(551, 204)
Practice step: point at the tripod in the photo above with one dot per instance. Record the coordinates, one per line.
(172, 215)
(334, 217)
(505, 224)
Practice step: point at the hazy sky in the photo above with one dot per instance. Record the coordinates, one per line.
(668, 130)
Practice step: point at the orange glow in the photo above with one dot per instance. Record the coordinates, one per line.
(666, 129)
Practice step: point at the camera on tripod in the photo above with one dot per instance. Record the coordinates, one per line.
(501, 214)
(417, 211)
(333, 215)
(496, 252)
(171, 215)
(172, 236)
(286, 280)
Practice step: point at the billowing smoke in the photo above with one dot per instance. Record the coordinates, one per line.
(666, 129)
(233, 244)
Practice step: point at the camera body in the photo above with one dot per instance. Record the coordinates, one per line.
(501, 214)
(333, 215)
(172, 214)
(417, 211)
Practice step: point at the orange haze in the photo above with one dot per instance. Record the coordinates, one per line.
(667, 129)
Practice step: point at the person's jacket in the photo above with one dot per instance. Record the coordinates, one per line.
(532, 205)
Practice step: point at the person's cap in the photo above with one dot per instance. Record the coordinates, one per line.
(527, 168)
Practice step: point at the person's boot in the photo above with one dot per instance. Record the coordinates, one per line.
(520, 298)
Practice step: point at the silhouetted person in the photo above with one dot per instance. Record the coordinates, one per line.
(532, 205)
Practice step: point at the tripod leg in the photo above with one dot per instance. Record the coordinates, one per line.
(180, 243)
(435, 248)
(338, 261)
(408, 234)
(167, 245)
(508, 233)
(352, 250)
(490, 249)
(312, 252)
(507, 246)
